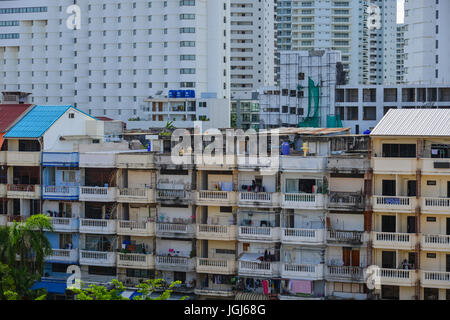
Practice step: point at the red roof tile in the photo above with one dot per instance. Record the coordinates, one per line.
(9, 113)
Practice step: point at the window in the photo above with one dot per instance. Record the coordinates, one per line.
(187, 43)
(352, 113)
(370, 113)
(390, 292)
(69, 176)
(430, 294)
(399, 150)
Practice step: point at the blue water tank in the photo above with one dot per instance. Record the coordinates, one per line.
(285, 150)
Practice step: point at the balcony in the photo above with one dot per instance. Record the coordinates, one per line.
(98, 258)
(265, 234)
(134, 228)
(60, 193)
(346, 201)
(60, 159)
(347, 237)
(97, 226)
(24, 191)
(98, 194)
(433, 242)
(394, 165)
(259, 199)
(258, 268)
(216, 266)
(435, 166)
(214, 292)
(2, 190)
(393, 203)
(3, 157)
(216, 232)
(397, 277)
(303, 201)
(136, 195)
(63, 256)
(302, 236)
(65, 224)
(345, 273)
(216, 198)
(170, 194)
(135, 260)
(175, 230)
(229, 163)
(435, 279)
(348, 165)
(298, 163)
(436, 205)
(391, 240)
(182, 264)
(137, 160)
(97, 160)
(302, 271)
(23, 158)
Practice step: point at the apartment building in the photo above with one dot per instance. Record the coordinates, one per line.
(252, 46)
(426, 45)
(410, 206)
(400, 50)
(121, 54)
(362, 107)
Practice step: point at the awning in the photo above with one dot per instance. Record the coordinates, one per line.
(51, 286)
(251, 257)
(250, 296)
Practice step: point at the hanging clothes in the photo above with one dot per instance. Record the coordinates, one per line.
(265, 287)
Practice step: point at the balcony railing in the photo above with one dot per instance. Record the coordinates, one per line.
(435, 279)
(60, 193)
(97, 226)
(97, 160)
(136, 195)
(309, 236)
(175, 263)
(435, 242)
(144, 160)
(63, 255)
(393, 240)
(172, 194)
(24, 191)
(261, 268)
(435, 205)
(346, 236)
(135, 260)
(23, 158)
(216, 197)
(394, 203)
(134, 228)
(216, 266)
(97, 258)
(259, 233)
(303, 201)
(255, 196)
(396, 276)
(345, 273)
(302, 271)
(60, 159)
(216, 232)
(175, 229)
(100, 194)
(65, 224)
(346, 200)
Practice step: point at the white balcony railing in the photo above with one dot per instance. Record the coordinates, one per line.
(175, 263)
(345, 273)
(346, 236)
(393, 240)
(97, 258)
(437, 279)
(216, 266)
(259, 233)
(219, 232)
(101, 194)
(65, 224)
(136, 195)
(136, 260)
(435, 242)
(61, 192)
(175, 228)
(302, 271)
(172, 194)
(303, 200)
(260, 268)
(435, 205)
(396, 276)
(311, 236)
(63, 255)
(135, 228)
(23, 158)
(97, 226)
(216, 196)
(394, 203)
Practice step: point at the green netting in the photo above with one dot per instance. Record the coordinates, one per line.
(334, 121)
(312, 117)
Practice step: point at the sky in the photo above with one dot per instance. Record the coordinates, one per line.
(400, 11)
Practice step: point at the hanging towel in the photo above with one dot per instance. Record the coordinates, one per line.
(265, 287)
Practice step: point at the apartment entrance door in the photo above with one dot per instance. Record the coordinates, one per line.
(388, 224)
(388, 259)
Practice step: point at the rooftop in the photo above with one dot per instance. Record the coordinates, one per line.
(414, 122)
(10, 113)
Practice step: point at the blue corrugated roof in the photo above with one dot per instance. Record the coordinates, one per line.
(36, 122)
(52, 286)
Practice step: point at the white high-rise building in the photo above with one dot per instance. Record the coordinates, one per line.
(426, 41)
(123, 54)
(252, 46)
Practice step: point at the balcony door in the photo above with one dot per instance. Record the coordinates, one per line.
(411, 188)
(350, 257)
(388, 188)
(388, 259)
(447, 263)
(448, 189)
(448, 226)
(411, 224)
(388, 224)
